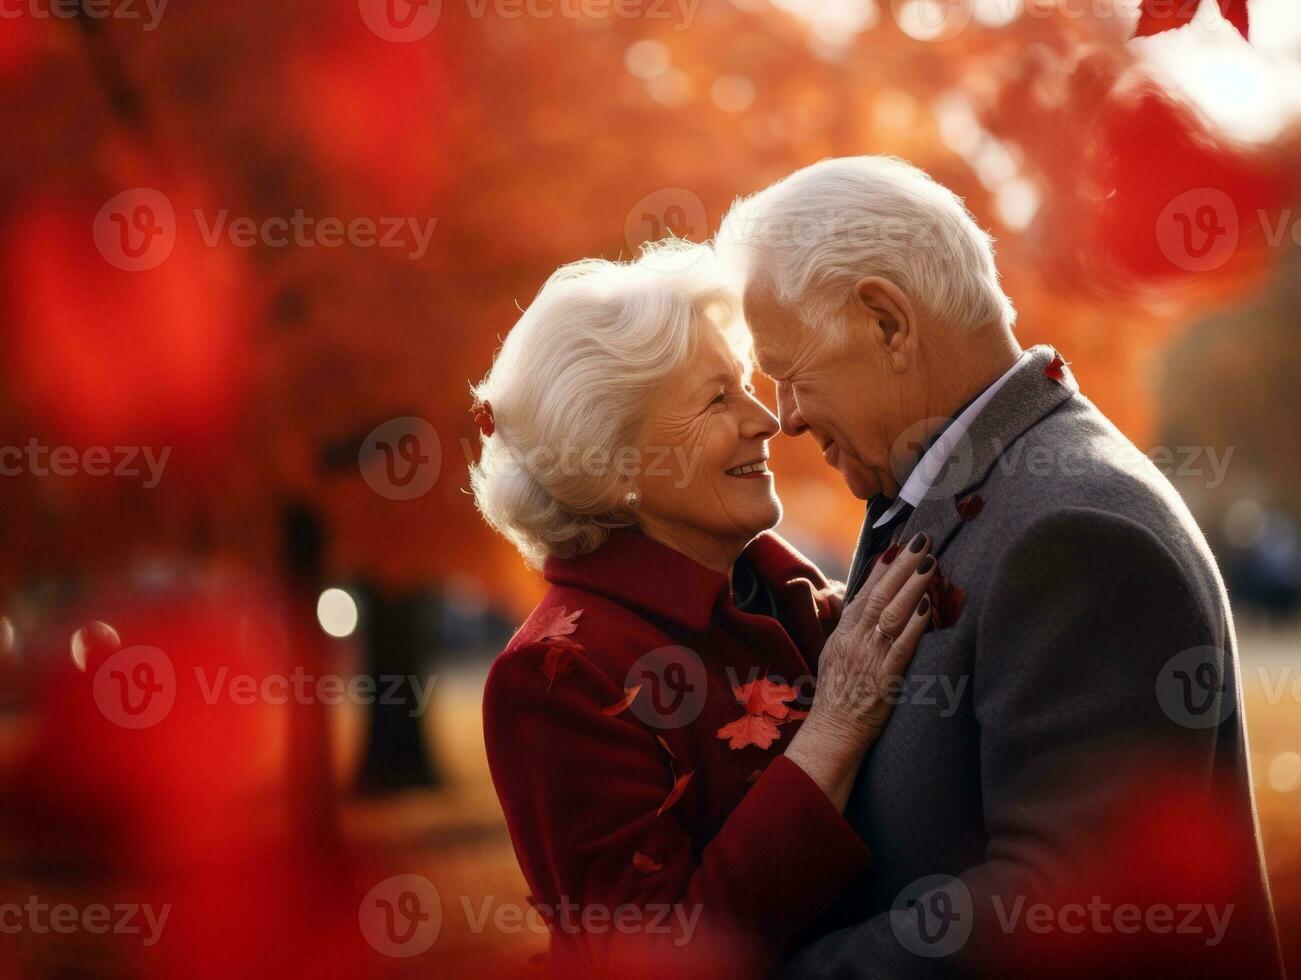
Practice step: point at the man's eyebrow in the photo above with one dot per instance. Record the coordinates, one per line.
(764, 359)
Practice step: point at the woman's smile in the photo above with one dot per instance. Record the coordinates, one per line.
(756, 469)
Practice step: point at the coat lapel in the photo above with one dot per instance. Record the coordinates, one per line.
(1029, 395)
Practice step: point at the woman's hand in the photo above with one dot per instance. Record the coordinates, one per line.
(860, 671)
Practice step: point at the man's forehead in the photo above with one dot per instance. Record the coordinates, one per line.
(759, 296)
(773, 326)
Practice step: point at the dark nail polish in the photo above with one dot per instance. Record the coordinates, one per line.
(924, 607)
(918, 542)
(890, 553)
(927, 564)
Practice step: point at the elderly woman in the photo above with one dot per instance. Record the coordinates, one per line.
(671, 782)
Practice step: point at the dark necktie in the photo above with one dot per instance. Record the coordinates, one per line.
(874, 540)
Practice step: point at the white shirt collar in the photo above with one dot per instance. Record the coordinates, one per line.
(919, 481)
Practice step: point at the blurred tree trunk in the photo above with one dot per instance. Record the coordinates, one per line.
(312, 799)
(400, 633)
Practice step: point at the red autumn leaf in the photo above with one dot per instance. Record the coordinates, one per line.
(765, 697)
(946, 601)
(552, 623)
(1156, 16)
(797, 715)
(557, 660)
(665, 746)
(675, 793)
(620, 706)
(970, 506)
(1056, 369)
(750, 729)
(1235, 12)
(646, 864)
(553, 627)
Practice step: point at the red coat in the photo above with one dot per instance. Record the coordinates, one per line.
(751, 851)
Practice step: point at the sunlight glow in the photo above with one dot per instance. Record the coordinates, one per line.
(1250, 91)
(336, 611)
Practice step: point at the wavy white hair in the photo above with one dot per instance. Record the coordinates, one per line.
(821, 229)
(571, 385)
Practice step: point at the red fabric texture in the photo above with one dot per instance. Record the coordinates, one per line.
(730, 874)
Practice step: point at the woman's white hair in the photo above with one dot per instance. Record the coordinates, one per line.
(820, 230)
(570, 389)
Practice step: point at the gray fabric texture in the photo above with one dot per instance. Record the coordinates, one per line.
(1026, 728)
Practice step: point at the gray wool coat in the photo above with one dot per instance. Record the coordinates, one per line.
(1093, 661)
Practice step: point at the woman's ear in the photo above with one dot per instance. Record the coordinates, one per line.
(889, 318)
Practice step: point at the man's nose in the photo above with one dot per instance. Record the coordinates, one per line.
(788, 411)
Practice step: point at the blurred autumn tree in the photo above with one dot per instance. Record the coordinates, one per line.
(532, 142)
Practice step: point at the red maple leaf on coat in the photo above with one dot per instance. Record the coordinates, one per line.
(675, 794)
(553, 627)
(1056, 369)
(1155, 16)
(644, 863)
(946, 601)
(620, 706)
(552, 623)
(764, 711)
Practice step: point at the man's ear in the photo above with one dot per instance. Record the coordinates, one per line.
(888, 317)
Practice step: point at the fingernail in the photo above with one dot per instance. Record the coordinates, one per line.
(924, 606)
(918, 542)
(890, 553)
(927, 564)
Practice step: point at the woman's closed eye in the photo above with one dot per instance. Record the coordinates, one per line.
(721, 397)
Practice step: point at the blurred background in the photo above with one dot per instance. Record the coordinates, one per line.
(253, 256)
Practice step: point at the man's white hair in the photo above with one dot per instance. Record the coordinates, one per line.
(823, 228)
(571, 385)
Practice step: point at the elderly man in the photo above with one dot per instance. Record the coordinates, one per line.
(1054, 791)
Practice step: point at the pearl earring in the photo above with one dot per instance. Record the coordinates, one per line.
(631, 500)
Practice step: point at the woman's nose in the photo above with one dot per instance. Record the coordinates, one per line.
(759, 423)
